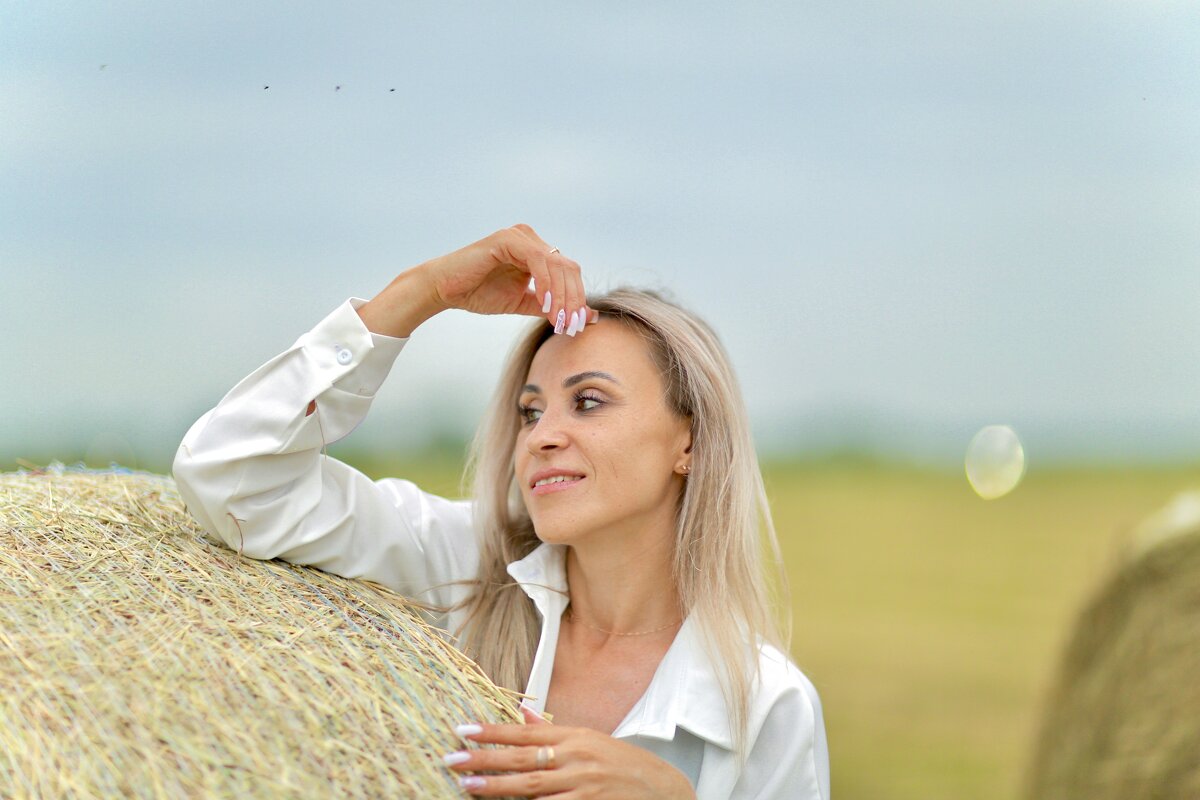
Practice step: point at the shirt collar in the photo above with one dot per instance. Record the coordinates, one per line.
(685, 691)
(543, 576)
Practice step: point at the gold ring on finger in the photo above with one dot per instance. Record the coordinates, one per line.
(545, 758)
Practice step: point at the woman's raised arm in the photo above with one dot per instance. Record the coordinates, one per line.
(252, 472)
(491, 276)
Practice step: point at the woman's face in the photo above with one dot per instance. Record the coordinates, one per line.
(594, 417)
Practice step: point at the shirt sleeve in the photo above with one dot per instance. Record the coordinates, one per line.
(253, 474)
(790, 756)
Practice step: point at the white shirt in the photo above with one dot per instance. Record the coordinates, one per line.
(252, 474)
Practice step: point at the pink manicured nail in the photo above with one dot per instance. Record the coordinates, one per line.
(558, 324)
(573, 328)
(530, 710)
(468, 730)
(472, 782)
(546, 304)
(460, 757)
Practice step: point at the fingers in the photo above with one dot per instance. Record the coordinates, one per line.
(558, 289)
(546, 273)
(532, 717)
(531, 306)
(544, 760)
(569, 312)
(508, 759)
(528, 778)
(575, 298)
(525, 784)
(561, 278)
(543, 279)
(519, 735)
(531, 778)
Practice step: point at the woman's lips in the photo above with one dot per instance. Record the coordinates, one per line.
(560, 486)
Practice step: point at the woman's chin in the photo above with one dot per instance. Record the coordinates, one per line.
(551, 532)
(553, 536)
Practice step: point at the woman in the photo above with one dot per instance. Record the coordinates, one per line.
(609, 566)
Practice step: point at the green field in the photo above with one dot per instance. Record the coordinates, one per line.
(930, 620)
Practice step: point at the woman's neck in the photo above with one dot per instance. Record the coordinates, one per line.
(622, 587)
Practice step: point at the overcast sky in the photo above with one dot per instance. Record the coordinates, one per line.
(906, 220)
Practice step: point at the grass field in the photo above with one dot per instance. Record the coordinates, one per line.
(931, 620)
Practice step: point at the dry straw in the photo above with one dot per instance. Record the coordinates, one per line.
(138, 659)
(1123, 720)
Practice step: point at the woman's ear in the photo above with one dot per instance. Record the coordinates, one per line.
(684, 461)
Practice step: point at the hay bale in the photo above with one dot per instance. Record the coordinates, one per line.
(138, 659)
(1123, 720)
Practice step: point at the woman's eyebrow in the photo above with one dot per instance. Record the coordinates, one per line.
(574, 379)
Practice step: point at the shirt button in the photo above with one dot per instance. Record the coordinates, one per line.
(344, 356)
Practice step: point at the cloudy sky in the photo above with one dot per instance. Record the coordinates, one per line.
(907, 220)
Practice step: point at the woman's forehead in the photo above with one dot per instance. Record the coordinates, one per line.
(607, 346)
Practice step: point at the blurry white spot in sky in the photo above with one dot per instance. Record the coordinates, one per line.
(995, 461)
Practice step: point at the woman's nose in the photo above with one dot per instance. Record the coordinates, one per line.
(549, 432)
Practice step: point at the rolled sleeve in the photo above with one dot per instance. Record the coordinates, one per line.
(253, 474)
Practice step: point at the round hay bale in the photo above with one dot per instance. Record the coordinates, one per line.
(139, 659)
(1123, 720)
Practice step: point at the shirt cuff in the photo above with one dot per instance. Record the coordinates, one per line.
(357, 360)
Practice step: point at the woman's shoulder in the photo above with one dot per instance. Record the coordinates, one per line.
(786, 718)
(779, 674)
(783, 689)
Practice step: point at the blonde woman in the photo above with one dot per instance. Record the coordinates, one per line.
(610, 563)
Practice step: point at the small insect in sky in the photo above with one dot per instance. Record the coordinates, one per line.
(337, 88)
(102, 66)
(392, 90)
(266, 87)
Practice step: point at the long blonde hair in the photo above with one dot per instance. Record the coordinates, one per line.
(723, 520)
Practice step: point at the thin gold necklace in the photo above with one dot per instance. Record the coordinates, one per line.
(571, 616)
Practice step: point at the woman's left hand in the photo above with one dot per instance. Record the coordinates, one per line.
(577, 763)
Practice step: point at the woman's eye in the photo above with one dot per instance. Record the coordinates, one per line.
(530, 415)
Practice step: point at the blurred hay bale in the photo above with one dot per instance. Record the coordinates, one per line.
(138, 659)
(1123, 720)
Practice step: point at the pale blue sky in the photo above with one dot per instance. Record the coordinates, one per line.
(907, 220)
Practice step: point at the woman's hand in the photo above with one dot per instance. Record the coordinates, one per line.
(491, 276)
(577, 763)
